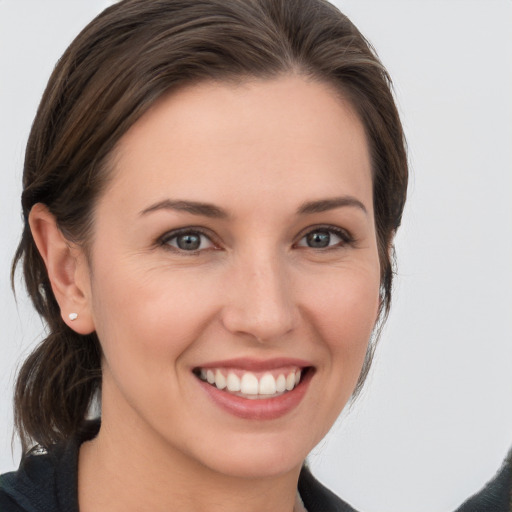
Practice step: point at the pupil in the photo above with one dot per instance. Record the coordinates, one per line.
(319, 239)
(189, 242)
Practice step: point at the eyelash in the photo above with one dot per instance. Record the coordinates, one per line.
(345, 237)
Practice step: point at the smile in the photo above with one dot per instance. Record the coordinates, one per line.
(251, 385)
(253, 389)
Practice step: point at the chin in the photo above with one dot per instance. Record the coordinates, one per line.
(257, 458)
(258, 467)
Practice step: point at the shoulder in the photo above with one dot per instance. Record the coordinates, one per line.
(317, 498)
(496, 495)
(7, 503)
(32, 487)
(46, 481)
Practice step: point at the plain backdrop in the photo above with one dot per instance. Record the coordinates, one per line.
(435, 419)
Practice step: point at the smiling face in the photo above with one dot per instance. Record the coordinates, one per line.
(235, 248)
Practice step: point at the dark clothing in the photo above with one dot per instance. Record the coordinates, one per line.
(317, 498)
(496, 496)
(48, 482)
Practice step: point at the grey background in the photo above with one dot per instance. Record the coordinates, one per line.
(435, 419)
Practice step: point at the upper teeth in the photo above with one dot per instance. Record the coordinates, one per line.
(249, 383)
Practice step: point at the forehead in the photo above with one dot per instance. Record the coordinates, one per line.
(251, 138)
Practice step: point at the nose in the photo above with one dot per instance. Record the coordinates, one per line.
(260, 300)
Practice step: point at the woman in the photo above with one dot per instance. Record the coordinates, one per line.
(211, 192)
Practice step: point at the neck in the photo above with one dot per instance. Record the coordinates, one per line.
(116, 474)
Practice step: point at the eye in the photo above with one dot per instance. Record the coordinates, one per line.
(324, 238)
(188, 240)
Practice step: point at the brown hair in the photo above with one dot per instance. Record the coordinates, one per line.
(116, 68)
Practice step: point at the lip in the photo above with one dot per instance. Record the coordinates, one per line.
(257, 365)
(262, 408)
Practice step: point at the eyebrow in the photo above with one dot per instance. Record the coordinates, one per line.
(212, 211)
(194, 207)
(324, 205)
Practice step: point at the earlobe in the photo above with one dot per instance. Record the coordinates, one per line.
(67, 270)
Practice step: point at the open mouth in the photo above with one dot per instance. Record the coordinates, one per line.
(253, 385)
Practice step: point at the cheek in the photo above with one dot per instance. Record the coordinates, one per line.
(345, 303)
(345, 310)
(152, 314)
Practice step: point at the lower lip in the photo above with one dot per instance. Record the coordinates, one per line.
(261, 408)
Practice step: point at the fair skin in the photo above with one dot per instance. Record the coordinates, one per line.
(280, 272)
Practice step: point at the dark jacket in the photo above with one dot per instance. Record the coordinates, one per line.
(496, 496)
(48, 482)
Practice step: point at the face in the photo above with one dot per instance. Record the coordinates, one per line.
(234, 274)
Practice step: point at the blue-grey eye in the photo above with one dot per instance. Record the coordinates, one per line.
(321, 239)
(318, 239)
(189, 241)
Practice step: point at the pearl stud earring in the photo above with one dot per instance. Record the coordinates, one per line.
(73, 316)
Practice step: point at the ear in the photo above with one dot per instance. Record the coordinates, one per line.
(67, 268)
